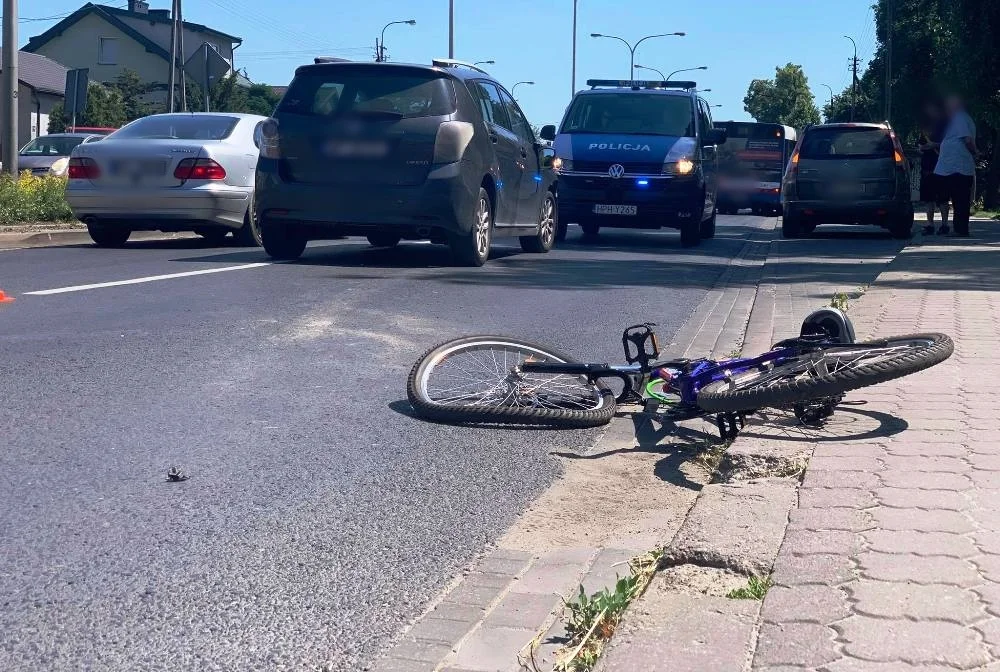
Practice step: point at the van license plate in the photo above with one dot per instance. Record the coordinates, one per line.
(630, 210)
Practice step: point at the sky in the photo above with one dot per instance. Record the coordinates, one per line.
(739, 40)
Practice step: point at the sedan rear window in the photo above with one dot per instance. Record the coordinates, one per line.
(630, 114)
(179, 127)
(369, 91)
(840, 143)
(51, 146)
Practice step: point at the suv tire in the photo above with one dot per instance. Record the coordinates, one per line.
(473, 248)
(690, 233)
(708, 227)
(791, 226)
(383, 239)
(108, 236)
(902, 227)
(282, 241)
(543, 241)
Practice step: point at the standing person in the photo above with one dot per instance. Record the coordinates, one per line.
(932, 192)
(956, 164)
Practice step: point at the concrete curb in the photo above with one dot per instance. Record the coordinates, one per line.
(13, 241)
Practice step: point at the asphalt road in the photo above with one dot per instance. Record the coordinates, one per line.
(319, 517)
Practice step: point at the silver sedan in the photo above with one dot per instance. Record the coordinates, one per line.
(169, 172)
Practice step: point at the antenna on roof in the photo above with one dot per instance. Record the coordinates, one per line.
(452, 63)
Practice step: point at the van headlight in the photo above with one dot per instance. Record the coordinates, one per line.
(560, 164)
(684, 166)
(59, 167)
(680, 160)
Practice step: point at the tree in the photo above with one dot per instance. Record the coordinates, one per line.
(786, 99)
(105, 108)
(228, 95)
(132, 89)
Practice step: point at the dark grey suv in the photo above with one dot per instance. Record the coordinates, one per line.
(392, 151)
(847, 174)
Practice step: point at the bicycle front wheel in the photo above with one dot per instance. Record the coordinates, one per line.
(478, 379)
(828, 372)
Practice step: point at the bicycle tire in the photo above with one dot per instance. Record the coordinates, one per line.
(720, 397)
(562, 418)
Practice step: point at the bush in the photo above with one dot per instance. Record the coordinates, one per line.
(33, 199)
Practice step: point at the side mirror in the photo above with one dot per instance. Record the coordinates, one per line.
(548, 132)
(547, 155)
(714, 136)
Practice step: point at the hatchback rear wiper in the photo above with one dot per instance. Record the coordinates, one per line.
(387, 115)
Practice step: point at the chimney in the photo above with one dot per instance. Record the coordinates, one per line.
(138, 6)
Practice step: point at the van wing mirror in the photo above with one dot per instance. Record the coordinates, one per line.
(714, 136)
(548, 132)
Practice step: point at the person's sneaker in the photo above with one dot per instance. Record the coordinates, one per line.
(943, 231)
(929, 230)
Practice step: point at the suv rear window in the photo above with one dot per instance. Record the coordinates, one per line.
(840, 143)
(630, 114)
(335, 91)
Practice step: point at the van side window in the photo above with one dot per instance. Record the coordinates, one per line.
(704, 118)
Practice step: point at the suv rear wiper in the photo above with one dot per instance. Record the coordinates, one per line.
(386, 115)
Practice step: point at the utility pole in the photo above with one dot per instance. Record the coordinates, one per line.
(208, 81)
(181, 53)
(573, 87)
(888, 60)
(451, 28)
(171, 78)
(9, 109)
(854, 77)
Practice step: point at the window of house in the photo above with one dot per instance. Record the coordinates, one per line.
(107, 50)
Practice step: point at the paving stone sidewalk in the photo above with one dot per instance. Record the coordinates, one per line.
(892, 559)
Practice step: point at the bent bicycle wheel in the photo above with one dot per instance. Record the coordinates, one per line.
(478, 379)
(825, 373)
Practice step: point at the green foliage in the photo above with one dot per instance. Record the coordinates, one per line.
(755, 589)
(840, 301)
(105, 107)
(786, 99)
(33, 199)
(228, 95)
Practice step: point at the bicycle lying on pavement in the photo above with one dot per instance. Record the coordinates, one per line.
(503, 380)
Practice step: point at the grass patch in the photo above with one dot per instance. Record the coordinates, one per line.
(709, 454)
(33, 199)
(755, 589)
(841, 301)
(989, 214)
(590, 620)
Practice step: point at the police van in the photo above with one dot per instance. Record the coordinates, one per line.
(638, 155)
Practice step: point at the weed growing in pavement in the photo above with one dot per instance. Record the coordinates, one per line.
(840, 301)
(755, 589)
(709, 454)
(591, 620)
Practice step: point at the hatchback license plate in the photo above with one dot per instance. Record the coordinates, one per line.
(630, 210)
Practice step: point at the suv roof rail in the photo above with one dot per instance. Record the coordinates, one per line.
(330, 59)
(636, 84)
(452, 63)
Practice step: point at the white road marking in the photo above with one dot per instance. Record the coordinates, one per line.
(150, 278)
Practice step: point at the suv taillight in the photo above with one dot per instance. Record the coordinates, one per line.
(82, 168)
(266, 137)
(199, 169)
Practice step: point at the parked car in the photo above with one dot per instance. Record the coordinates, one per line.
(49, 154)
(169, 172)
(847, 174)
(638, 155)
(393, 152)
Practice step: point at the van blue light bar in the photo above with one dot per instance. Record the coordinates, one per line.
(641, 84)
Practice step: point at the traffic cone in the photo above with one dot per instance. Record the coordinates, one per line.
(5, 298)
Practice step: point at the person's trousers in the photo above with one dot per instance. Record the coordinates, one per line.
(958, 189)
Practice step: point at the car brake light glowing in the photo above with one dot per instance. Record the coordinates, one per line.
(199, 169)
(82, 168)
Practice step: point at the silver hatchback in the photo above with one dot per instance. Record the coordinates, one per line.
(169, 172)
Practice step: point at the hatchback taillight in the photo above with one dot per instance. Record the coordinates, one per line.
(199, 169)
(82, 168)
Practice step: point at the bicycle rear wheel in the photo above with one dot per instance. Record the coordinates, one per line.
(478, 379)
(824, 373)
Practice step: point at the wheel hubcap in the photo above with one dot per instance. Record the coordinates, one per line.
(547, 225)
(482, 232)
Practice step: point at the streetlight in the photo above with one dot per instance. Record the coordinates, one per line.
(830, 89)
(643, 67)
(380, 56)
(633, 47)
(517, 85)
(485, 63)
(700, 67)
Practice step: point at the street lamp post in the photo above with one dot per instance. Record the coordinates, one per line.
(380, 56)
(700, 67)
(643, 67)
(573, 76)
(633, 47)
(513, 88)
(830, 89)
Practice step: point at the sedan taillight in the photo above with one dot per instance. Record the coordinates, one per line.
(199, 169)
(82, 168)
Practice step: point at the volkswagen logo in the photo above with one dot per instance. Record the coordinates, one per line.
(616, 170)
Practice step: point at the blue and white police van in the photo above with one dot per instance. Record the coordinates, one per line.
(638, 155)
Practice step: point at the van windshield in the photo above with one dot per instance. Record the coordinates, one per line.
(630, 114)
(370, 91)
